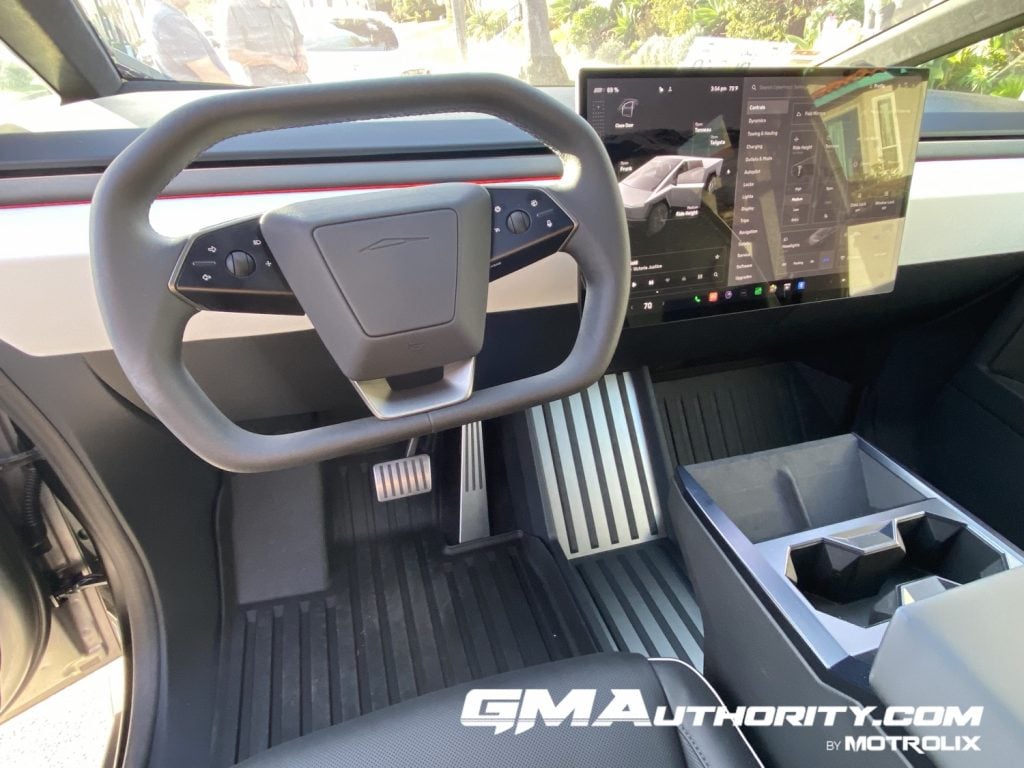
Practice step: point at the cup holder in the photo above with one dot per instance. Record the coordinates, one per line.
(864, 574)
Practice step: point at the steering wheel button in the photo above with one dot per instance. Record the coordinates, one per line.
(518, 222)
(240, 264)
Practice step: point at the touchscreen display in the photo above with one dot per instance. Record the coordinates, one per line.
(752, 189)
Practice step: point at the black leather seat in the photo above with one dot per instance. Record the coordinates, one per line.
(427, 731)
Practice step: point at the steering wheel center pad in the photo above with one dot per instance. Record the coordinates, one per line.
(395, 282)
(132, 264)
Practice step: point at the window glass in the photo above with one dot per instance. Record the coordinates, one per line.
(994, 67)
(265, 42)
(20, 88)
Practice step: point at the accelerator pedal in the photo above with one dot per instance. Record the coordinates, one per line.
(401, 478)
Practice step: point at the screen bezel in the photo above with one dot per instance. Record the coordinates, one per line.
(768, 300)
(587, 73)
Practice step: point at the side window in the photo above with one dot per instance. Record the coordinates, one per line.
(21, 92)
(994, 67)
(17, 80)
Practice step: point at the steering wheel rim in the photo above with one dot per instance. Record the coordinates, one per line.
(145, 321)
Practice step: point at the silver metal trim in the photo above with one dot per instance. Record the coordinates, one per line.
(595, 469)
(474, 522)
(455, 386)
(401, 478)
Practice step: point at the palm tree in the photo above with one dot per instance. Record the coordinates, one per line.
(543, 65)
(459, 15)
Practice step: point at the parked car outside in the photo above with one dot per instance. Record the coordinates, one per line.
(349, 46)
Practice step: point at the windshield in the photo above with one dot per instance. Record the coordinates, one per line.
(652, 174)
(545, 42)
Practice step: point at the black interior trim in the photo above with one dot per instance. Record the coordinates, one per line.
(948, 116)
(76, 185)
(54, 38)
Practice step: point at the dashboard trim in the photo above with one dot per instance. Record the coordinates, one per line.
(49, 305)
(216, 181)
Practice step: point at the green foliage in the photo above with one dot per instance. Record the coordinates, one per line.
(840, 10)
(994, 66)
(766, 19)
(659, 32)
(672, 18)
(618, 33)
(564, 11)
(633, 22)
(589, 28)
(483, 25)
(1010, 86)
(416, 10)
(712, 15)
(17, 78)
(611, 51)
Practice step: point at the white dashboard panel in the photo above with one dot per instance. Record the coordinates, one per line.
(48, 304)
(958, 209)
(964, 208)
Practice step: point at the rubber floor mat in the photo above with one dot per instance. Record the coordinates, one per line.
(744, 410)
(405, 615)
(646, 601)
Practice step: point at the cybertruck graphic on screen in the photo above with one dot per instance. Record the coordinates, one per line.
(665, 185)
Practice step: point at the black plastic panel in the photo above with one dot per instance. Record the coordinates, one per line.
(209, 276)
(526, 226)
(947, 115)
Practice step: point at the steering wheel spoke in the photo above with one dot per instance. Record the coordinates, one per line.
(230, 268)
(394, 282)
(397, 396)
(526, 225)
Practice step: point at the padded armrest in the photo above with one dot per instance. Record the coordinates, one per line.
(961, 648)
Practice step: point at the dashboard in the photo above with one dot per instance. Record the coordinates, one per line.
(760, 188)
(963, 212)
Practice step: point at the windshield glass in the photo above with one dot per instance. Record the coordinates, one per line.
(545, 42)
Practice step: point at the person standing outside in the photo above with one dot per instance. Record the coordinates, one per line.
(181, 50)
(264, 37)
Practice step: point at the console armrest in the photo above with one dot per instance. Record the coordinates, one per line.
(961, 648)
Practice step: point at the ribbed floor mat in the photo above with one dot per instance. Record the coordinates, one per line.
(749, 409)
(405, 616)
(646, 601)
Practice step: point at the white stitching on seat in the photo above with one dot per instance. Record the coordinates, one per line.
(717, 697)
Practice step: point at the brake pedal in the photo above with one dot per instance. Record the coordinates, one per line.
(401, 478)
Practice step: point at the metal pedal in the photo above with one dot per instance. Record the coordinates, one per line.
(596, 471)
(473, 518)
(401, 478)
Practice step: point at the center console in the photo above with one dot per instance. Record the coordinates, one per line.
(812, 565)
(835, 537)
